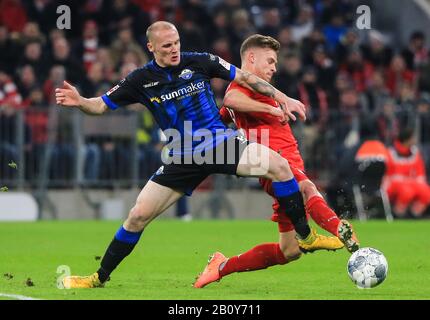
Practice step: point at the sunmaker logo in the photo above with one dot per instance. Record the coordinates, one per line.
(187, 91)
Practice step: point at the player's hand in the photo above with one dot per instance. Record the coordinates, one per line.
(67, 96)
(293, 105)
(277, 112)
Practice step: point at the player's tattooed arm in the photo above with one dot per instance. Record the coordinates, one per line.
(257, 84)
(69, 96)
(250, 80)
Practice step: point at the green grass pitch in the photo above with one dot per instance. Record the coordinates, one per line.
(171, 253)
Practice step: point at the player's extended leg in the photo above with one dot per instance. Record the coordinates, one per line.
(258, 160)
(326, 218)
(261, 161)
(260, 257)
(152, 201)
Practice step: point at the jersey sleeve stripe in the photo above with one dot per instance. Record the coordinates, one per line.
(232, 72)
(109, 102)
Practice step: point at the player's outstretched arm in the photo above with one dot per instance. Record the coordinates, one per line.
(69, 96)
(257, 84)
(239, 101)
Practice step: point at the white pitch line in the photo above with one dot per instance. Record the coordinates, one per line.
(17, 296)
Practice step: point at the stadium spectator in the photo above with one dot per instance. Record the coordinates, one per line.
(125, 43)
(350, 41)
(27, 82)
(221, 26)
(9, 94)
(57, 74)
(13, 15)
(346, 122)
(406, 113)
(105, 58)
(397, 74)
(61, 55)
(416, 54)
(309, 44)
(357, 69)
(221, 47)
(303, 25)
(167, 10)
(95, 82)
(387, 124)
(192, 37)
(9, 51)
(287, 43)
(375, 95)
(31, 32)
(88, 46)
(43, 12)
(197, 12)
(289, 75)
(334, 31)
(376, 51)
(119, 14)
(325, 68)
(271, 22)
(10, 101)
(424, 78)
(33, 57)
(406, 180)
(315, 100)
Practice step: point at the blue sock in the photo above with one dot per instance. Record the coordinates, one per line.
(127, 236)
(121, 246)
(285, 188)
(290, 199)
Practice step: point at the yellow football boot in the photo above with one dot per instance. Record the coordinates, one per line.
(77, 282)
(316, 241)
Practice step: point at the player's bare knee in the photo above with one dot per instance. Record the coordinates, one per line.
(139, 217)
(281, 170)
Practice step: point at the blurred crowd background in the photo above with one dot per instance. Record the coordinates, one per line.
(351, 82)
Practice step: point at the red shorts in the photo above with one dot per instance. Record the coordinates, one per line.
(284, 222)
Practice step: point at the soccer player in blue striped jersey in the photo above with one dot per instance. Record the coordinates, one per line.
(175, 87)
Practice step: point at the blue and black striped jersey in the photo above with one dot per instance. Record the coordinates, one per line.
(179, 98)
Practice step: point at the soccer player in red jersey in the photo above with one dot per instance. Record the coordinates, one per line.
(258, 115)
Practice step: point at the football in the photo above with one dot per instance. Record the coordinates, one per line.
(367, 268)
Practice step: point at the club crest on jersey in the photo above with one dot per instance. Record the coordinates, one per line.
(186, 74)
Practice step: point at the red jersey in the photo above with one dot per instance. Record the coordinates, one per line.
(405, 168)
(281, 138)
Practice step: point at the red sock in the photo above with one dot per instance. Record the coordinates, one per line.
(259, 257)
(321, 213)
